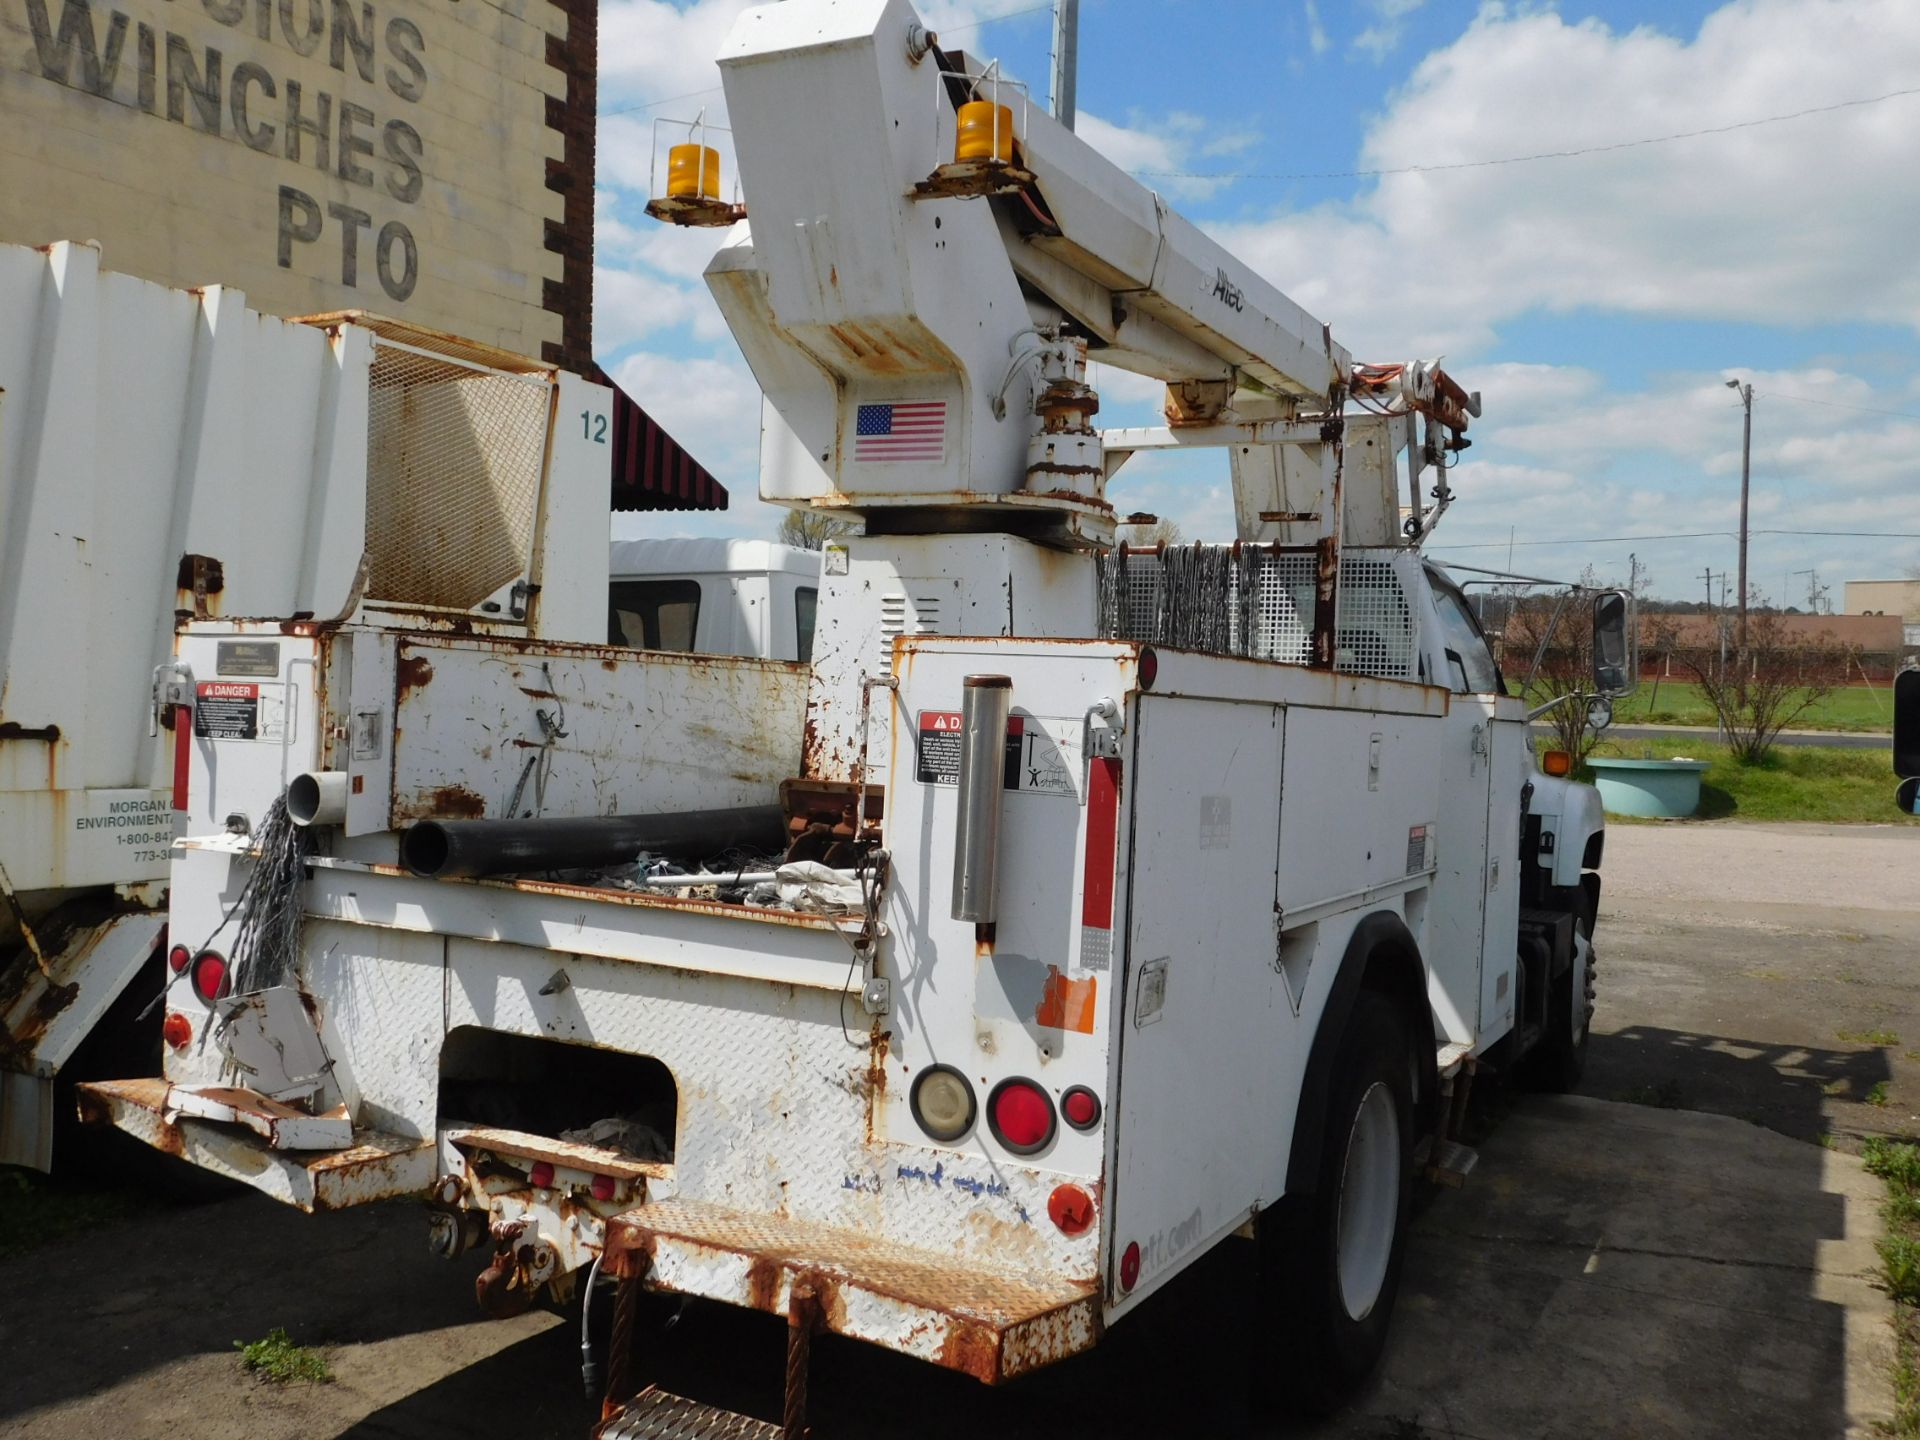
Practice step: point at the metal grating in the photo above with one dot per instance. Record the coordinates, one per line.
(657, 1414)
(454, 459)
(1256, 601)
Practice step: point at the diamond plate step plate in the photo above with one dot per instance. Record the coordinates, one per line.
(657, 1414)
(990, 1323)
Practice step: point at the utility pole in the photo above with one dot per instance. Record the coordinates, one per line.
(1746, 467)
(1066, 58)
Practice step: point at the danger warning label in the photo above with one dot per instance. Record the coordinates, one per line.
(224, 710)
(1035, 761)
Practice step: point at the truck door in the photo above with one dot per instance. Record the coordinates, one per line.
(1466, 991)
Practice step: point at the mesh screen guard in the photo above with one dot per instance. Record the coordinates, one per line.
(1257, 602)
(455, 453)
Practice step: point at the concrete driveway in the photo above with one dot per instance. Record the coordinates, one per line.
(1611, 1269)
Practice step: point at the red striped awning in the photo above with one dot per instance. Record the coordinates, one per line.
(650, 470)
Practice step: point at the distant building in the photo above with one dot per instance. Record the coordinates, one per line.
(1876, 644)
(1887, 597)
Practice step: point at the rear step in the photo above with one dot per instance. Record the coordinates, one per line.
(657, 1414)
(988, 1322)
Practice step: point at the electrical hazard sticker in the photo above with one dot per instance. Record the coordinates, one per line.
(226, 710)
(1419, 848)
(1035, 761)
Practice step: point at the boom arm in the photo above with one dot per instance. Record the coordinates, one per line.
(922, 349)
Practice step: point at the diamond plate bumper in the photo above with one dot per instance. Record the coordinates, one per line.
(661, 1415)
(374, 1167)
(991, 1324)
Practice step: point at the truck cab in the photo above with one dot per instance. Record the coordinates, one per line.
(714, 597)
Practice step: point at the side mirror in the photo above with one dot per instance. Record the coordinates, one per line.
(1906, 723)
(1612, 674)
(1906, 799)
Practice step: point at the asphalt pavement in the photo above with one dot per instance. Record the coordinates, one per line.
(1669, 1254)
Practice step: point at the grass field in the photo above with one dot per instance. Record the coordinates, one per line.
(1673, 702)
(1796, 783)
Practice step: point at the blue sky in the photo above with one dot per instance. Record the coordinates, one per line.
(1599, 302)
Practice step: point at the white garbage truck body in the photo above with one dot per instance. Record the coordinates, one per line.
(163, 454)
(1074, 910)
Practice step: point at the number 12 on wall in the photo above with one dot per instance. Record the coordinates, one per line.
(593, 427)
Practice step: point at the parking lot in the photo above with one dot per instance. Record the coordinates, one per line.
(1686, 1249)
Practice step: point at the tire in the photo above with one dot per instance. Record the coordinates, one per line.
(1561, 1062)
(1331, 1259)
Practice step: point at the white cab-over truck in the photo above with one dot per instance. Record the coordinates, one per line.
(1074, 911)
(168, 453)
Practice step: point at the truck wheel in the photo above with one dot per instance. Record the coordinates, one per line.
(1561, 1061)
(1333, 1257)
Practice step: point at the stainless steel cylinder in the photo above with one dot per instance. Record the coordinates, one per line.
(986, 702)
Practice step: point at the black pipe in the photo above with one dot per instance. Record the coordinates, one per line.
(463, 848)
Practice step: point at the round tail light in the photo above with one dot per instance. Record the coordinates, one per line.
(1129, 1266)
(176, 1030)
(177, 959)
(211, 981)
(1021, 1116)
(541, 1175)
(942, 1102)
(604, 1186)
(1070, 1208)
(1080, 1108)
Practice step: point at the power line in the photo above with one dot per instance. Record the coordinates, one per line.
(1684, 535)
(1839, 404)
(715, 89)
(690, 95)
(1538, 155)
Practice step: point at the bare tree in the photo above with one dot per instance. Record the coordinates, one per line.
(1140, 534)
(1559, 630)
(1760, 692)
(811, 529)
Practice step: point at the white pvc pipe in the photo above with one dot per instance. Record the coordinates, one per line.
(318, 797)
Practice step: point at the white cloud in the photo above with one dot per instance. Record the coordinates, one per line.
(1174, 143)
(1382, 37)
(1799, 222)
(1317, 39)
(1561, 456)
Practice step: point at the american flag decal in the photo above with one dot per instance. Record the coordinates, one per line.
(900, 430)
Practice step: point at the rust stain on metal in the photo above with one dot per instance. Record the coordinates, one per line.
(454, 800)
(14, 730)
(763, 1282)
(984, 936)
(415, 672)
(972, 1349)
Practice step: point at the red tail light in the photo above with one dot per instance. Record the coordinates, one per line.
(1081, 1108)
(541, 1175)
(604, 1186)
(210, 979)
(176, 1030)
(1021, 1116)
(177, 959)
(1129, 1266)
